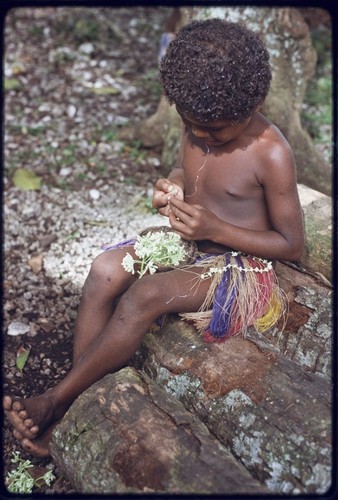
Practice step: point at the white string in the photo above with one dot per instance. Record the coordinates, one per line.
(197, 176)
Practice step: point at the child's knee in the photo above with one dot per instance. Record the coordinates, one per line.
(102, 268)
(144, 297)
(106, 275)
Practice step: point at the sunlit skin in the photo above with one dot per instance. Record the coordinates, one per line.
(236, 187)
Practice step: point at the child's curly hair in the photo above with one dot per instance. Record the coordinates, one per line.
(216, 70)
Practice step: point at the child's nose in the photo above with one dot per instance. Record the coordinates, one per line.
(199, 132)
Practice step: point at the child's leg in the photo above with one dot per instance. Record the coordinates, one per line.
(139, 306)
(105, 282)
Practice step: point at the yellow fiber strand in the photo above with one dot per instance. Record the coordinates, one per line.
(277, 309)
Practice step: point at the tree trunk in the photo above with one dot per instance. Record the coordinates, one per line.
(126, 435)
(293, 60)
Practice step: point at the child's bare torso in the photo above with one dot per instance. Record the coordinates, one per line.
(228, 180)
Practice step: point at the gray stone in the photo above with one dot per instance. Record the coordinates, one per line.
(125, 434)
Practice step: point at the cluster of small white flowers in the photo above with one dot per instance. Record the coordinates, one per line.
(128, 263)
(153, 249)
(20, 481)
(214, 270)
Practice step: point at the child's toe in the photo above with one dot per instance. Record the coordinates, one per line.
(34, 429)
(35, 448)
(17, 406)
(7, 403)
(17, 435)
(23, 414)
(28, 423)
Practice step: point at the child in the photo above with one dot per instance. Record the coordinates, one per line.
(234, 188)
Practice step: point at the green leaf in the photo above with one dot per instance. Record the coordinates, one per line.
(105, 90)
(26, 180)
(22, 356)
(12, 84)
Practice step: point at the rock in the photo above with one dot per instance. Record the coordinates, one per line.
(273, 414)
(317, 210)
(86, 48)
(36, 263)
(71, 111)
(94, 194)
(307, 336)
(47, 240)
(126, 435)
(17, 328)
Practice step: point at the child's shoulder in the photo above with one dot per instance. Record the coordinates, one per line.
(265, 129)
(271, 148)
(267, 135)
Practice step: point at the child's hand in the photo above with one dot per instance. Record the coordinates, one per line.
(192, 222)
(163, 192)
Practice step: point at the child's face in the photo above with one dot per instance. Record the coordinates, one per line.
(215, 133)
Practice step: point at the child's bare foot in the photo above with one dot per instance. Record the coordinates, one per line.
(38, 447)
(30, 417)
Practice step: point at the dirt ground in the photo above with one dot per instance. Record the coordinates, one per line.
(73, 78)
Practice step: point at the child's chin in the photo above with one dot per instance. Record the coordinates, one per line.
(214, 143)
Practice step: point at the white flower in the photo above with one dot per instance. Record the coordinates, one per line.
(128, 263)
(152, 268)
(19, 480)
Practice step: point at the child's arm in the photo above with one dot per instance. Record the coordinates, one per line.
(165, 189)
(173, 185)
(194, 222)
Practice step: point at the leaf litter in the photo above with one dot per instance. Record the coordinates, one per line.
(74, 78)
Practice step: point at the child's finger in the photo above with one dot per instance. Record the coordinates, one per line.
(164, 210)
(163, 185)
(184, 207)
(179, 226)
(180, 214)
(175, 222)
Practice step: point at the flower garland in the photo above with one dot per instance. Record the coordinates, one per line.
(214, 270)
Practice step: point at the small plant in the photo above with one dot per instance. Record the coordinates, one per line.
(134, 150)
(149, 205)
(110, 135)
(20, 480)
(74, 235)
(151, 82)
(155, 249)
(68, 156)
